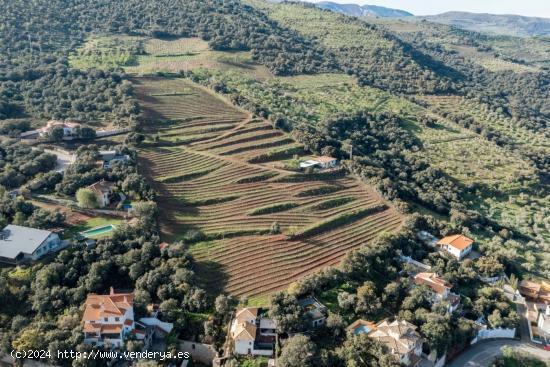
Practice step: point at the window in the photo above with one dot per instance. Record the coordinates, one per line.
(105, 319)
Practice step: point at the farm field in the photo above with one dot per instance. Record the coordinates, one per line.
(221, 187)
(144, 56)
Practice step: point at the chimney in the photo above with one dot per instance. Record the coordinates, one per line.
(111, 291)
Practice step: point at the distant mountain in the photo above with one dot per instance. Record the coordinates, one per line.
(363, 11)
(513, 25)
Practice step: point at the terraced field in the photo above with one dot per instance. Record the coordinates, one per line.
(200, 162)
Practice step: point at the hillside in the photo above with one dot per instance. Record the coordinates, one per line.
(224, 178)
(355, 10)
(511, 25)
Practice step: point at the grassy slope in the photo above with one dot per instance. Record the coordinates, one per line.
(144, 56)
(199, 164)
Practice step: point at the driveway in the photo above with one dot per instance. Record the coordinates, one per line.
(483, 353)
(64, 158)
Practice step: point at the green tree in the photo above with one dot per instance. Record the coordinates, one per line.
(360, 350)
(297, 351)
(86, 198)
(19, 219)
(56, 133)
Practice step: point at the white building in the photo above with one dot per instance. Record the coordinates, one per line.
(457, 245)
(109, 319)
(110, 157)
(253, 333)
(323, 162)
(103, 191)
(18, 243)
(314, 310)
(440, 289)
(543, 323)
(400, 339)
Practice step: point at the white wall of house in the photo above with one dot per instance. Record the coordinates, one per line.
(458, 253)
(543, 324)
(49, 244)
(244, 347)
(494, 334)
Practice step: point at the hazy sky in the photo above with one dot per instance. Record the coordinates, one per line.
(533, 8)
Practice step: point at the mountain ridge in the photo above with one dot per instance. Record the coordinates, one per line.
(504, 24)
(364, 10)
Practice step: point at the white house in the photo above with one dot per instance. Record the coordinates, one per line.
(323, 162)
(103, 191)
(543, 323)
(314, 310)
(400, 339)
(18, 243)
(441, 289)
(109, 157)
(109, 319)
(457, 245)
(69, 127)
(252, 332)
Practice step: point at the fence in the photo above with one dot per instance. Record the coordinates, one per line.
(409, 260)
(494, 334)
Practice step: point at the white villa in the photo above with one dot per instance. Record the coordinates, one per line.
(103, 191)
(400, 339)
(253, 333)
(19, 243)
(441, 289)
(109, 319)
(457, 245)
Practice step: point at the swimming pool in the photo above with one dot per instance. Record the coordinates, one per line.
(363, 329)
(97, 231)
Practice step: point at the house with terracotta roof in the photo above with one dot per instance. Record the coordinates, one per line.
(252, 332)
(103, 191)
(534, 292)
(109, 319)
(400, 339)
(323, 162)
(440, 289)
(457, 245)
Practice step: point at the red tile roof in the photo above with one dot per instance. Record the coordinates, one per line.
(458, 241)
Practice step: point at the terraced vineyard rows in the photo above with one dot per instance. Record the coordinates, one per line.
(200, 165)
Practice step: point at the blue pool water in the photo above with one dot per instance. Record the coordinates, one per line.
(97, 231)
(126, 206)
(361, 330)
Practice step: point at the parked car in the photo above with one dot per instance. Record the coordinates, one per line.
(547, 347)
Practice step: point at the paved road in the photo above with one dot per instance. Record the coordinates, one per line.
(481, 354)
